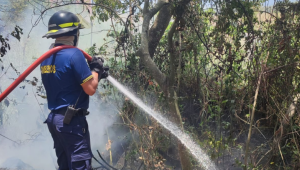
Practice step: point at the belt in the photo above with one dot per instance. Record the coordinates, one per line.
(80, 112)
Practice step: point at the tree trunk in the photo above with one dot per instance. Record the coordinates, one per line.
(163, 81)
(158, 28)
(175, 112)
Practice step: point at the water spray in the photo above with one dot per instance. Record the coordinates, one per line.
(184, 138)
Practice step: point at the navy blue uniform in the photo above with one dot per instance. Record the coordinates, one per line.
(62, 75)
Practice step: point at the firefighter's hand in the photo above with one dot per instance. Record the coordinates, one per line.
(105, 72)
(97, 65)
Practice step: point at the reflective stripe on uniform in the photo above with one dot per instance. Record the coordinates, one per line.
(87, 79)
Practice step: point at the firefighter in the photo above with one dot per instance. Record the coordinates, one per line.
(69, 81)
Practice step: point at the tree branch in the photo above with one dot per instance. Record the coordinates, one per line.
(146, 7)
(143, 51)
(157, 7)
(253, 109)
(172, 52)
(76, 3)
(252, 118)
(158, 28)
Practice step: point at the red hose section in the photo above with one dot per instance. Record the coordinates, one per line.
(34, 65)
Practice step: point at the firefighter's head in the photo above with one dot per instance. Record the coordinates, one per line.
(64, 23)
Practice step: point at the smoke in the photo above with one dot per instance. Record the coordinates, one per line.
(24, 112)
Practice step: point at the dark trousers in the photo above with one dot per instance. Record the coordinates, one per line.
(71, 142)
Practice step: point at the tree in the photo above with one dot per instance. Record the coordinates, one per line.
(167, 82)
(4, 40)
(103, 9)
(235, 63)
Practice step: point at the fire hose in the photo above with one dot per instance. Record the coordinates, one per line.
(32, 67)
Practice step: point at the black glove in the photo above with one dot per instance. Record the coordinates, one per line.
(105, 72)
(97, 65)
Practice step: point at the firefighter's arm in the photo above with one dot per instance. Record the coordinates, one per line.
(90, 86)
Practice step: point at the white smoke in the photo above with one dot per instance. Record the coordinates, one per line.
(24, 111)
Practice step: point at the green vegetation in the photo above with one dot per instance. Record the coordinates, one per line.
(227, 72)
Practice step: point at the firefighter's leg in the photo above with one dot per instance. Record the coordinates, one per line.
(75, 140)
(82, 165)
(62, 160)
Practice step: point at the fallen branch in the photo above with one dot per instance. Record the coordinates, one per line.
(249, 124)
(263, 156)
(281, 154)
